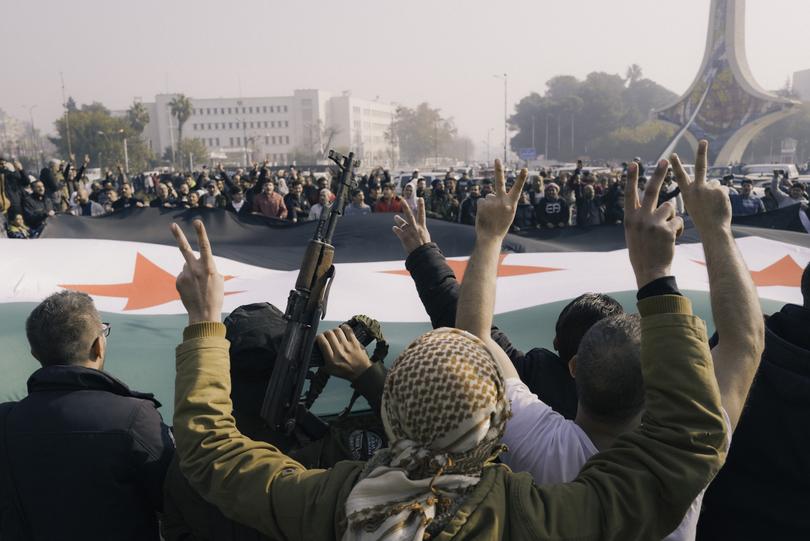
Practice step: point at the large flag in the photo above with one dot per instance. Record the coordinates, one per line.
(128, 262)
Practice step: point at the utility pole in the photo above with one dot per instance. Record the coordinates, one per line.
(546, 151)
(572, 132)
(505, 113)
(126, 156)
(533, 119)
(67, 114)
(34, 145)
(435, 142)
(505, 120)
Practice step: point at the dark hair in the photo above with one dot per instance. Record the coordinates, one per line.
(297, 183)
(578, 316)
(62, 328)
(356, 192)
(609, 382)
(806, 286)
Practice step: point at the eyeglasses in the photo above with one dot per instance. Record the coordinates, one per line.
(105, 329)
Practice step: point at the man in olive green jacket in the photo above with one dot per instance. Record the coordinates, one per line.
(639, 488)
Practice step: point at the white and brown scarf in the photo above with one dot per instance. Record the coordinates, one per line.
(444, 410)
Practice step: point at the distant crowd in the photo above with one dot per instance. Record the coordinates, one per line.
(550, 199)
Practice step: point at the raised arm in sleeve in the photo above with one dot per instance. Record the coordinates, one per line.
(249, 481)
(641, 487)
(438, 289)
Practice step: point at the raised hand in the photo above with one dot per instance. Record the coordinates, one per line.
(412, 230)
(650, 232)
(344, 355)
(201, 287)
(496, 212)
(706, 202)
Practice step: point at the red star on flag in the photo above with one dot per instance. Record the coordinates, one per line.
(785, 272)
(503, 270)
(150, 286)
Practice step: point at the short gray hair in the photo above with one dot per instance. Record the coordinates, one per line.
(608, 371)
(62, 328)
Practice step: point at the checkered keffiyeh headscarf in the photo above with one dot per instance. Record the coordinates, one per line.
(444, 410)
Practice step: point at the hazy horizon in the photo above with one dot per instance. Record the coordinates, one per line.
(445, 53)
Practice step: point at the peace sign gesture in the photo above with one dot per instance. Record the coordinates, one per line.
(412, 230)
(496, 212)
(201, 287)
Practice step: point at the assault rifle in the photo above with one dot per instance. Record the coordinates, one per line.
(284, 408)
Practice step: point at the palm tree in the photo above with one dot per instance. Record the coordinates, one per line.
(180, 107)
(634, 74)
(138, 117)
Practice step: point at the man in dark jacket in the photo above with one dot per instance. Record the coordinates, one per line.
(543, 371)
(296, 203)
(589, 206)
(37, 207)
(238, 204)
(552, 210)
(763, 492)
(466, 214)
(83, 456)
(127, 200)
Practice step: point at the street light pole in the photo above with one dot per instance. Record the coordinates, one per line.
(126, 156)
(34, 145)
(505, 113)
(546, 151)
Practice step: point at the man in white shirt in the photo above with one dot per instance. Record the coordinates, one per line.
(607, 365)
(322, 204)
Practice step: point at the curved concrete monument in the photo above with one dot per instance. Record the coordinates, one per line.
(724, 104)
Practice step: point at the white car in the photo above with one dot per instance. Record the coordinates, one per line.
(765, 171)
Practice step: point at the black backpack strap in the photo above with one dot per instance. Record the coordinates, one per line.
(25, 528)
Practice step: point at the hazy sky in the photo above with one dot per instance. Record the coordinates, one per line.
(441, 51)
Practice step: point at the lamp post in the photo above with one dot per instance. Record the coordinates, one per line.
(34, 145)
(505, 119)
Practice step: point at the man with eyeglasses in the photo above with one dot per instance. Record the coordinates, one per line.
(82, 456)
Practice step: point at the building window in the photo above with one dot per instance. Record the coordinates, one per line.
(274, 140)
(264, 109)
(272, 123)
(238, 141)
(285, 108)
(209, 125)
(217, 141)
(229, 110)
(222, 110)
(266, 139)
(250, 110)
(287, 139)
(271, 109)
(230, 125)
(286, 123)
(243, 110)
(265, 123)
(231, 143)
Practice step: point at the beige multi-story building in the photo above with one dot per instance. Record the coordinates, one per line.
(801, 84)
(283, 130)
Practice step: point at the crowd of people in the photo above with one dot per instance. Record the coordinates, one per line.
(549, 200)
(627, 427)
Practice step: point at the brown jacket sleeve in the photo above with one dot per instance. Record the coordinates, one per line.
(641, 487)
(251, 482)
